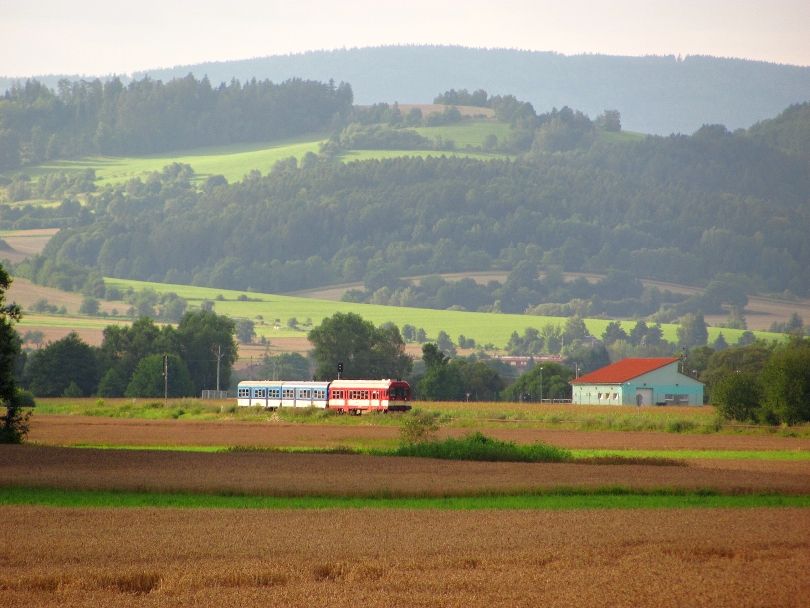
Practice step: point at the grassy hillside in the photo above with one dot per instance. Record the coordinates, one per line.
(237, 160)
(483, 327)
(467, 133)
(234, 161)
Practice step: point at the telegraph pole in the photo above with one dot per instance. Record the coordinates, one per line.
(219, 354)
(165, 379)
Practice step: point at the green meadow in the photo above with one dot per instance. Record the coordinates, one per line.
(483, 327)
(472, 133)
(233, 161)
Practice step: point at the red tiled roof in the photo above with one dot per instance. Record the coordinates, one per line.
(624, 370)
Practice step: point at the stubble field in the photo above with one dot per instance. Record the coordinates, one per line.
(337, 557)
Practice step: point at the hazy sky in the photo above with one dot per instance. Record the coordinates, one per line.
(95, 37)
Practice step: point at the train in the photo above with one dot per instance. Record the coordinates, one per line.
(342, 396)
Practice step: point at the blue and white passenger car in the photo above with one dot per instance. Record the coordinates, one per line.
(272, 394)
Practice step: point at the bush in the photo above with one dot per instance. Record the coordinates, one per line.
(419, 426)
(786, 383)
(738, 396)
(14, 424)
(25, 398)
(477, 446)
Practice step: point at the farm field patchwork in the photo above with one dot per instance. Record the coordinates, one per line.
(249, 527)
(72, 426)
(305, 474)
(24, 243)
(483, 327)
(348, 557)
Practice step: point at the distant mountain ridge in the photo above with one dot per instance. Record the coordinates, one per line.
(655, 94)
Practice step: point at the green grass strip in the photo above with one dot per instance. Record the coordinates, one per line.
(691, 454)
(605, 498)
(783, 455)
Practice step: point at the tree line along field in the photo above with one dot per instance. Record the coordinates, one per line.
(483, 327)
(235, 161)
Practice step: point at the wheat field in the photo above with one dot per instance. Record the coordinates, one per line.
(173, 557)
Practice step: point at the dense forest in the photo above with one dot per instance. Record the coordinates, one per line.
(656, 94)
(81, 117)
(682, 208)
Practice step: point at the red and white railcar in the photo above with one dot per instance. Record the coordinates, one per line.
(358, 396)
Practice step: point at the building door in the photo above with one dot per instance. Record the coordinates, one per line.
(644, 396)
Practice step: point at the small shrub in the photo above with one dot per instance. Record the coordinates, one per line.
(477, 446)
(419, 426)
(680, 426)
(14, 425)
(25, 398)
(72, 390)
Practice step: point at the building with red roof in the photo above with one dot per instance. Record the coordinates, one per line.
(638, 381)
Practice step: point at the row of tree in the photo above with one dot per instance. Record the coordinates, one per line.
(95, 117)
(547, 292)
(199, 352)
(759, 382)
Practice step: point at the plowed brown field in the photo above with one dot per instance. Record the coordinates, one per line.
(70, 430)
(370, 558)
(282, 474)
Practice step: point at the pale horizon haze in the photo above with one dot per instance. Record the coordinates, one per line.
(93, 37)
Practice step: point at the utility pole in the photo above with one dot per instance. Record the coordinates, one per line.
(165, 379)
(541, 384)
(219, 354)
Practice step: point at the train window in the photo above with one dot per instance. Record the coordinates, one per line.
(289, 393)
(275, 393)
(259, 393)
(244, 392)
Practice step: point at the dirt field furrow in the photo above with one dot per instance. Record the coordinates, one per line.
(71, 430)
(284, 474)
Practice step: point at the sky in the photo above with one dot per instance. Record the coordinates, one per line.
(99, 37)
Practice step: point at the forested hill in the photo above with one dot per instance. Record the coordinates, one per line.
(680, 208)
(660, 95)
(144, 116)
(655, 94)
